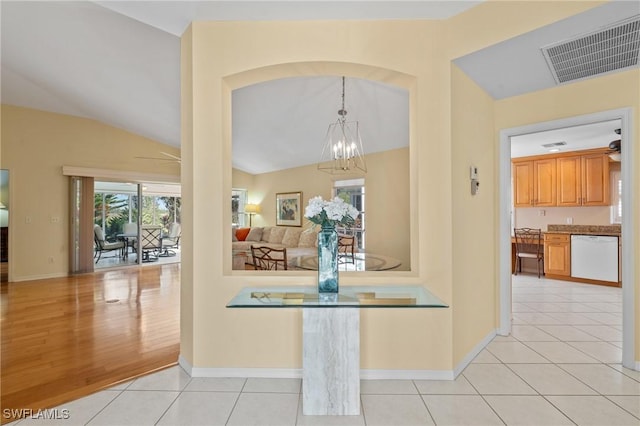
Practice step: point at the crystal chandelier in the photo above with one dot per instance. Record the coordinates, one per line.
(342, 151)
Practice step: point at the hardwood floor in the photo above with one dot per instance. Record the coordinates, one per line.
(68, 337)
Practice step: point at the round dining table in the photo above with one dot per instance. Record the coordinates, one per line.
(359, 262)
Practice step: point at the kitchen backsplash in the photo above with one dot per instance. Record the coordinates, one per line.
(531, 217)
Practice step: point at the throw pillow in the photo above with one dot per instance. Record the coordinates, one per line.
(276, 235)
(233, 235)
(242, 233)
(266, 233)
(291, 237)
(308, 238)
(254, 235)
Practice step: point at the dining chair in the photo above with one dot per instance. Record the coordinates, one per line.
(529, 246)
(102, 245)
(269, 259)
(129, 229)
(150, 242)
(171, 240)
(346, 248)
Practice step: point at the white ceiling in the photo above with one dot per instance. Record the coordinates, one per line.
(118, 62)
(517, 65)
(595, 135)
(287, 119)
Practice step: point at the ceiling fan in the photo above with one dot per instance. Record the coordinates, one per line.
(615, 147)
(169, 157)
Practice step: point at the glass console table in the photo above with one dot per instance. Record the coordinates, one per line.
(331, 335)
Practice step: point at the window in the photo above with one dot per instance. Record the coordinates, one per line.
(238, 200)
(111, 211)
(160, 211)
(352, 192)
(116, 203)
(616, 197)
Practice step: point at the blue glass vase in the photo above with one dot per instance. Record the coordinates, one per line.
(328, 260)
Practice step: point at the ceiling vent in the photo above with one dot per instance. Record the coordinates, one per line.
(553, 144)
(609, 49)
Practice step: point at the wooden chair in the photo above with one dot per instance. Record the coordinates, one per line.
(529, 246)
(269, 259)
(346, 248)
(102, 245)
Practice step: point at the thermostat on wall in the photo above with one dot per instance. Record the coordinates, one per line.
(473, 172)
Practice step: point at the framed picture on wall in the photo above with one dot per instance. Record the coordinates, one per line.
(289, 209)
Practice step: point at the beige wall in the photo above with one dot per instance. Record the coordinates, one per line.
(448, 227)
(386, 184)
(530, 217)
(35, 146)
(474, 229)
(230, 338)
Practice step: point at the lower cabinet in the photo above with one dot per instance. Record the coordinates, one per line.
(557, 254)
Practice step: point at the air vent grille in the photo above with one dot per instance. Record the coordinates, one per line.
(613, 48)
(553, 144)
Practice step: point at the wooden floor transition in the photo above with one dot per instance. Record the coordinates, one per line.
(65, 338)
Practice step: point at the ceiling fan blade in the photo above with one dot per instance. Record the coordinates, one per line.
(159, 159)
(171, 155)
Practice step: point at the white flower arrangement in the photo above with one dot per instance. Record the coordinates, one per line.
(331, 213)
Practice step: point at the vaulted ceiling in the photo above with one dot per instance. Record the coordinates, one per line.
(118, 63)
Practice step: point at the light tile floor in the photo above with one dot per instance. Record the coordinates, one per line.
(560, 366)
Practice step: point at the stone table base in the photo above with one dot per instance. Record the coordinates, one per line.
(331, 361)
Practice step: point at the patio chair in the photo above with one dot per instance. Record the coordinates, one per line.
(151, 243)
(171, 240)
(129, 229)
(102, 245)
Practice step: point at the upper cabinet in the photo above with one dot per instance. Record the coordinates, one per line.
(583, 180)
(564, 180)
(534, 183)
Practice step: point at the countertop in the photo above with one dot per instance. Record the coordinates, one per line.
(613, 230)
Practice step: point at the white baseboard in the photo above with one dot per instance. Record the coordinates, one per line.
(474, 352)
(365, 374)
(406, 374)
(296, 373)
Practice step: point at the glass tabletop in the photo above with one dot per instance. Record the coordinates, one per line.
(359, 262)
(349, 297)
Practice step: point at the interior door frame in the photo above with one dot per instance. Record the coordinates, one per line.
(628, 231)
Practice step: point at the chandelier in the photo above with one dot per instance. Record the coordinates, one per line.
(342, 151)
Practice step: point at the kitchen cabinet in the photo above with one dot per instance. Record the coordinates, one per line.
(557, 254)
(583, 180)
(534, 183)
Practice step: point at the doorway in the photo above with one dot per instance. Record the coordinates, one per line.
(628, 266)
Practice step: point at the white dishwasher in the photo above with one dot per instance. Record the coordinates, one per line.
(594, 257)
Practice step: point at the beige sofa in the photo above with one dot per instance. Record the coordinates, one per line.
(298, 241)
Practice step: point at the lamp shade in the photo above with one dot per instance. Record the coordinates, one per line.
(251, 208)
